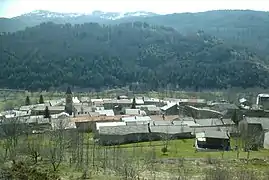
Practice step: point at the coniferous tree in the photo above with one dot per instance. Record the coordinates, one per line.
(47, 112)
(27, 101)
(133, 104)
(41, 99)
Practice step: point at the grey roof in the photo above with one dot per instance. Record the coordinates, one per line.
(161, 123)
(187, 123)
(228, 122)
(170, 129)
(224, 106)
(132, 111)
(257, 120)
(216, 134)
(202, 129)
(168, 106)
(153, 108)
(123, 130)
(209, 122)
(51, 108)
(107, 112)
(26, 108)
(136, 118)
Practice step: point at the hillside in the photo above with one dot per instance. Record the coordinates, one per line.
(151, 57)
(245, 27)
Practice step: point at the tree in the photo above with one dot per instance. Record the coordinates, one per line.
(27, 101)
(47, 112)
(133, 104)
(41, 100)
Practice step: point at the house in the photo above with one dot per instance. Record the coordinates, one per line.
(170, 109)
(212, 140)
(227, 109)
(114, 135)
(82, 110)
(96, 102)
(263, 101)
(253, 131)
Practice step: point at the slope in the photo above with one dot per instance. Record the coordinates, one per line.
(152, 57)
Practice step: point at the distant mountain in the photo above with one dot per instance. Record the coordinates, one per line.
(136, 54)
(40, 16)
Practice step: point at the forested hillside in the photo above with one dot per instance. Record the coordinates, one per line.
(244, 27)
(95, 56)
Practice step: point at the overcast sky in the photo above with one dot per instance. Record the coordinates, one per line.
(11, 8)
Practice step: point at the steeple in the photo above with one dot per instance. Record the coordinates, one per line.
(69, 101)
(68, 91)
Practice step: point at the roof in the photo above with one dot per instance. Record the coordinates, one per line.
(209, 122)
(166, 118)
(123, 130)
(228, 122)
(139, 101)
(224, 106)
(51, 108)
(256, 120)
(132, 111)
(170, 129)
(118, 101)
(106, 112)
(187, 123)
(161, 123)
(263, 95)
(85, 99)
(26, 108)
(136, 118)
(109, 124)
(212, 134)
(168, 106)
(153, 108)
(87, 118)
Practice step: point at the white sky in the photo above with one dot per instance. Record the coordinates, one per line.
(11, 8)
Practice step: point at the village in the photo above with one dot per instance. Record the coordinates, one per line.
(123, 120)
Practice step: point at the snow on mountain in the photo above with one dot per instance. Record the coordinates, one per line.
(99, 14)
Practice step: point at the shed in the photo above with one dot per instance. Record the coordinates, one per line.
(212, 140)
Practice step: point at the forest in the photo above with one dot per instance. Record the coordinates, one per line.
(127, 54)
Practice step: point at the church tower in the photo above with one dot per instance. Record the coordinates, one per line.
(68, 101)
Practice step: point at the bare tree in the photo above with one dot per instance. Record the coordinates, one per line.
(56, 144)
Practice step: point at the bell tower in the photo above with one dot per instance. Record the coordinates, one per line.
(68, 101)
